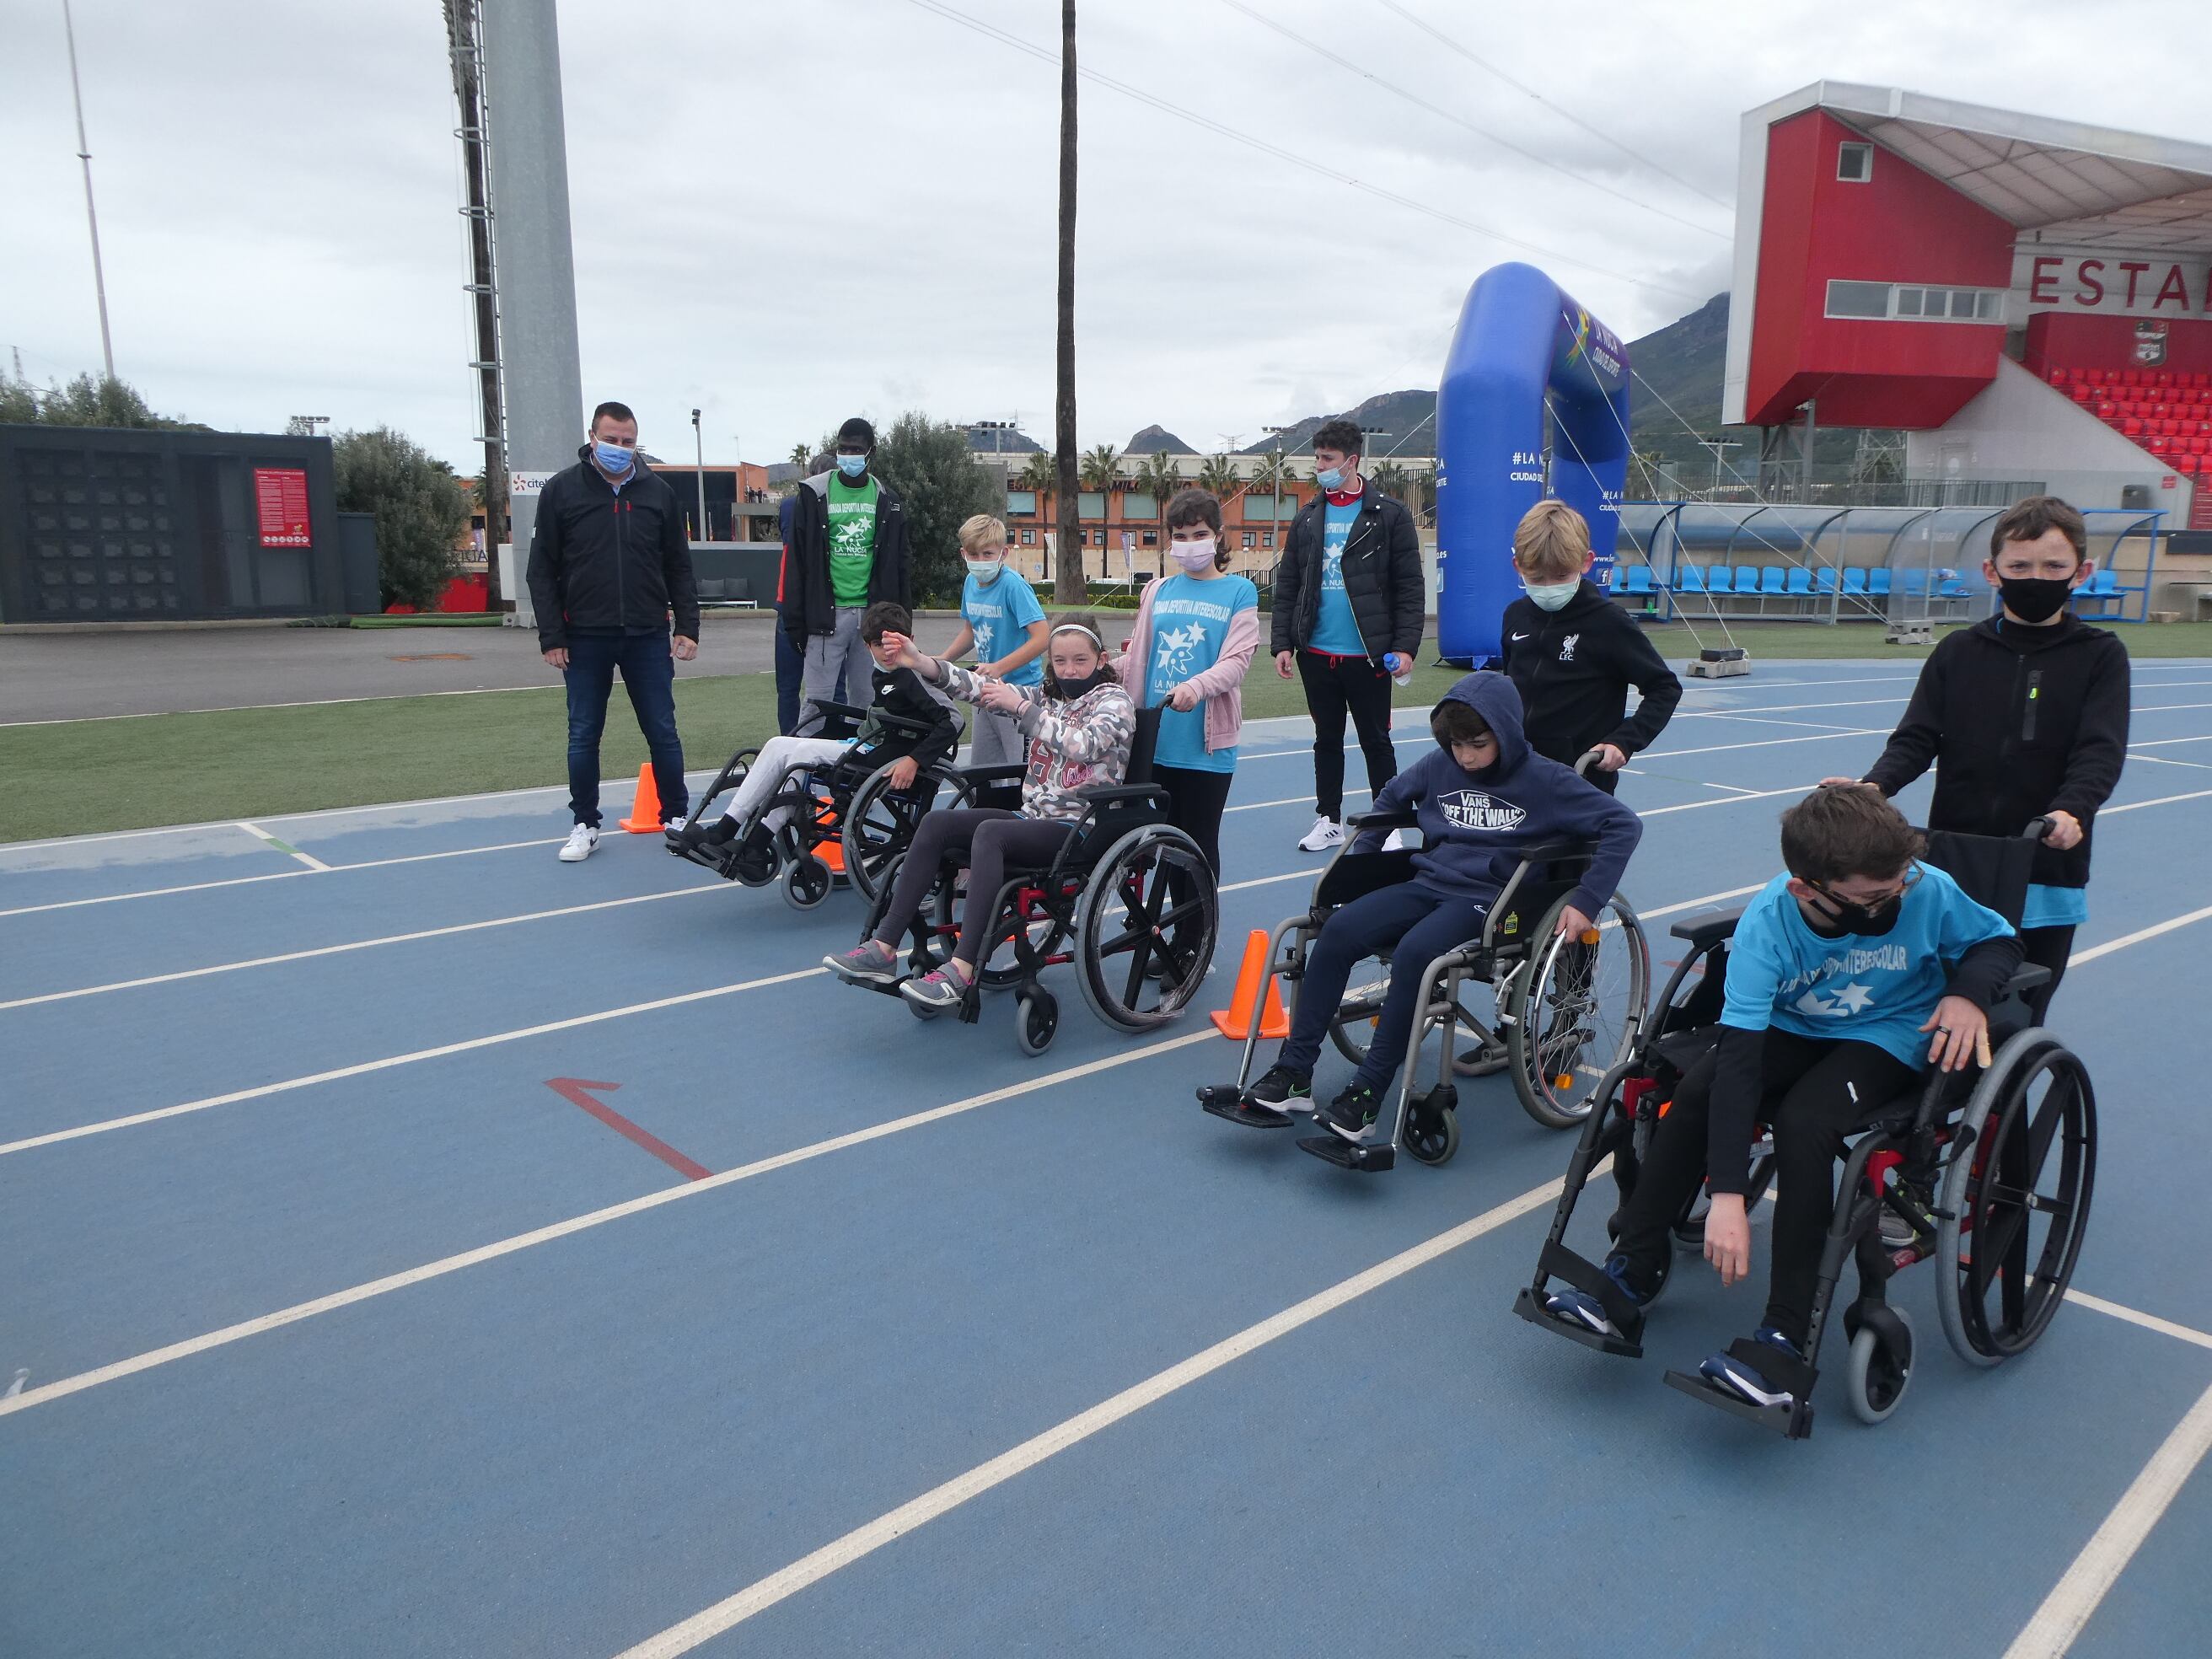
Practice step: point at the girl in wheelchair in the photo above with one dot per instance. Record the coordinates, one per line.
(1078, 728)
(1846, 976)
(1482, 797)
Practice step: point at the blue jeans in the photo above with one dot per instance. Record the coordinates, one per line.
(649, 677)
(1416, 924)
(790, 663)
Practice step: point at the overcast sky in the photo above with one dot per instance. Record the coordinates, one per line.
(789, 212)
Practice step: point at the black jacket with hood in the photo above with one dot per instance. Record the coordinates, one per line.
(2018, 721)
(608, 561)
(1476, 827)
(1382, 576)
(809, 603)
(1573, 667)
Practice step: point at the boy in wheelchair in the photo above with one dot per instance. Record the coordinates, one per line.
(1846, 976)
(1482, 796)
(923, 728)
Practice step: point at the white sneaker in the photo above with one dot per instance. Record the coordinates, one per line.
(1396, 841)
(1325, 834)
(671, 827)
(578, 848)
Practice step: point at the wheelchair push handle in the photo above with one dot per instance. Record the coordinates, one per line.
(1588, 761)
(1405, 818)
(2037, 829)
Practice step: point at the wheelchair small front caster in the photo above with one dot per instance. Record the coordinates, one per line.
(1431, 1133)
(807, 882)
(1036, 1020)
(1881, 1368)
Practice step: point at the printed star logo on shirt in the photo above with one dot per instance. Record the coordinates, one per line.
(984, 636)
(1178, 648)
(1854, 998)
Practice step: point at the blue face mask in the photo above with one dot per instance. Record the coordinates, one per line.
(613, 457)
(853, 466)
(1330, 478)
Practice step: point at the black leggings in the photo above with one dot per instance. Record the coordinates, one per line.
(1813, 1092)
(1334, 685)
(1195, 800)
(992, 838)
(2046, 947)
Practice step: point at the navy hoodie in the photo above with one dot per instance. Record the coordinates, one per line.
(1478, 826)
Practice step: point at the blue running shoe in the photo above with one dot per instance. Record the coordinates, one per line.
(1739, 1379)
(1584, 1309)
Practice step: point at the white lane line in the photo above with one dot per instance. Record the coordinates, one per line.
(2166, 708)
(261, 835)
(2161, 760)
(364, 1067)
(2149, 1322)
(1727, 801)
(2058, 1621)
(1768, 743)
(2140, 933)
(280, 875)
(65, 1386)
(2168, 743)
(865, 1541)
(357, 945)
(2161, 801)
(1802, 726)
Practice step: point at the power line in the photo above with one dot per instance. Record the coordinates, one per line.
(1276, 150)
(1442, 39)
(1419, 102)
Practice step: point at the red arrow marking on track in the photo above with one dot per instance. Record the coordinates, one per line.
(574, 1090)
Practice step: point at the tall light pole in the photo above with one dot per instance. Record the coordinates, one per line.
(699, 475)
(91, 218)
(1718, 449)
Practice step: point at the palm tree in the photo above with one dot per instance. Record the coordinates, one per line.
(1101, 467)
(800, 455)
(1069, 587)
(1158, 476)
(1218, 474)
(1390, 479)
(1038, 473)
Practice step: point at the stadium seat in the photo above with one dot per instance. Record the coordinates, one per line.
(1690, 580)
(2131, 377)
(1878, 582)
(1800, 581)
(1773, 580)
(2200, 445)
(1720, 580)
(2108, 410)
(2096, 377)
(1635, 581)
(1854, 581)
(2165, 377)
(2104, 585)
(2131, 426)
(1823, 582)
(2079, 392)
(1912, 581)
(1746, 579)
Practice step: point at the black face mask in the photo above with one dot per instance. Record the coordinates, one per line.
(1864, 919)
(1069, 690)
(2035, 598)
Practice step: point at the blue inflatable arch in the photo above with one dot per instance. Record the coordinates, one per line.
(1519, 337)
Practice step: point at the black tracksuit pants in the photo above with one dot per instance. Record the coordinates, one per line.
(1815, 1092)
(1335, 686)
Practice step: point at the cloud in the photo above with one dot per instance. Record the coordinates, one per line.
(784, 214)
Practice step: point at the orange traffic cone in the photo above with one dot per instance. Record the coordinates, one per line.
(644, 817)
(1235, 1021)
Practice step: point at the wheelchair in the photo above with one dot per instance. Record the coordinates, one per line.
(847, 824)
(1129, 900)
(1993, 1167)
(1567, 1009)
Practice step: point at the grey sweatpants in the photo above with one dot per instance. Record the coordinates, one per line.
(840, 651)
(993, 739)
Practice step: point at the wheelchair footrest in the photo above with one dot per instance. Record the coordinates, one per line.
(1226, 1101)
(1531, 1308)
(1557, 1261)
(1350, 1154)
(1792, 1422)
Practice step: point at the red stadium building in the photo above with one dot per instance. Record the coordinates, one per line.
(2029, 298)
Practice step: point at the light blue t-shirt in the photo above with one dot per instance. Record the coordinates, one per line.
(1877, 988)
(2055, 907)
(1336, 630)
(1000, 615)
(1190, 621)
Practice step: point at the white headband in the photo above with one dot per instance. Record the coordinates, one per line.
(1079, 628)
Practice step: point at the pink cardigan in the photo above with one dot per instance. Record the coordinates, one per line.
(1221, 685)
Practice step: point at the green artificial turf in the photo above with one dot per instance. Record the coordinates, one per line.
(79, 777)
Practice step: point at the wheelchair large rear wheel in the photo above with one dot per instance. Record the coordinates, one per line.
(1148, 905)
(1352, 1031)
(1572, 1011)
(880, 821)
(2015, 1199)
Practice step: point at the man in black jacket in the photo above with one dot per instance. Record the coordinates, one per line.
(1573, 652)
(609, 560)
(1348, 606)
(848, 552)
(2025, 716)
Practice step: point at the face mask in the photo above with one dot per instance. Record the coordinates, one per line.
(853, 466)
(613, 457)
(1863, 918)
(1550, 596)
(2035, 598)
(1070, 689)
(1329, 477)
(985, 571)
(1194, 557)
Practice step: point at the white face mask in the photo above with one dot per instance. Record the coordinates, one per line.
(1551, 596)
(985, 571)
(1194, 557)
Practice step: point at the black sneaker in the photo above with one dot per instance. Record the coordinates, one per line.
(708, 832)
(1351, 1114)
(1278, 1086)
